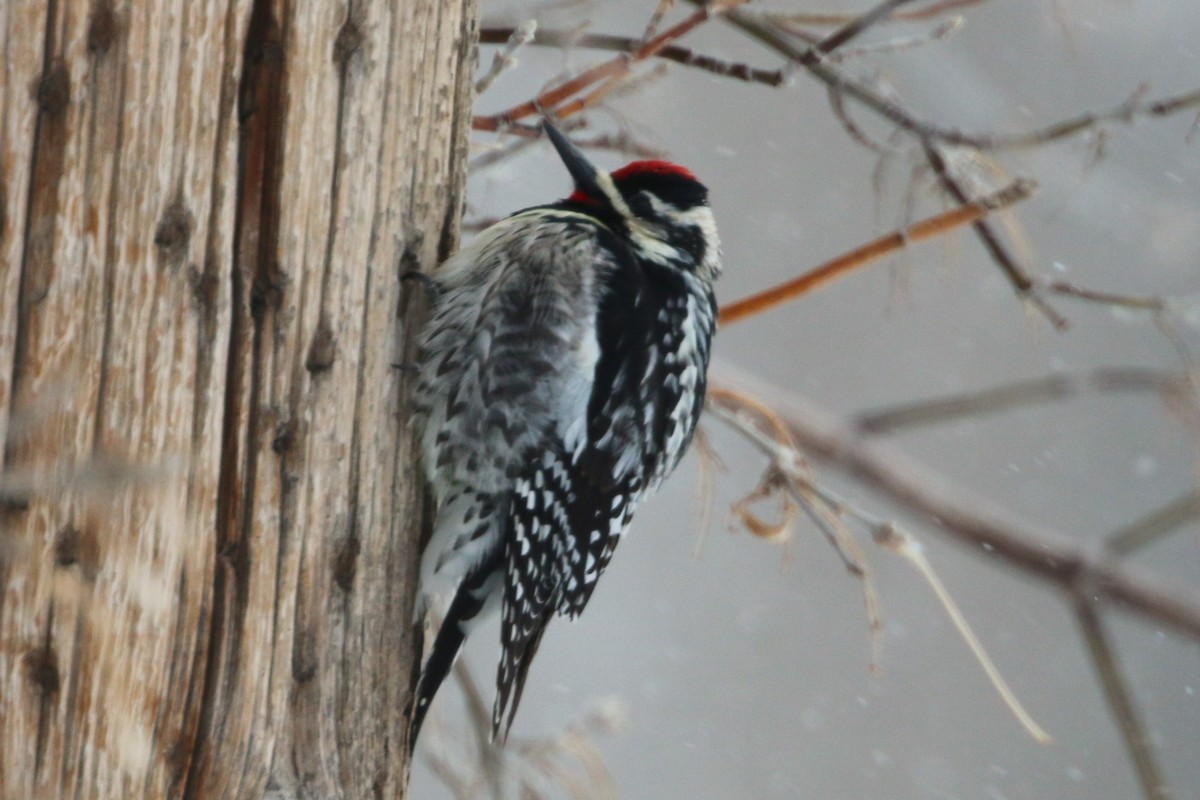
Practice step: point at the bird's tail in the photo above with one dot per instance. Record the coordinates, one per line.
(469, 601)
(519, 645)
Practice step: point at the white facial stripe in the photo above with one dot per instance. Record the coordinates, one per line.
(650, 242)
(605, 182)
(702, 218)
(660, 206)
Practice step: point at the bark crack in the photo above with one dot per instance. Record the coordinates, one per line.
(41, 169)
(254, 274)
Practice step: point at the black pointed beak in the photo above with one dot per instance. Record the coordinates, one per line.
(582, 171)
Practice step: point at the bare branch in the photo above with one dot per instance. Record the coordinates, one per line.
(1013, 270)
(787, 19)
(857, 26)
(626, 44)
(826, 511)
(1120, 699)
(656, 19)
(974, 520)
(1155, 525)
(495, 155)
(773, 437)
(1019, 394)
(503, 60)
(710, 463)
(1139, 302)
(940, 33)
(776, 39)
(910, 550)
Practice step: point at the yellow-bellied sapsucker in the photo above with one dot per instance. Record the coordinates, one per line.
(562, 373)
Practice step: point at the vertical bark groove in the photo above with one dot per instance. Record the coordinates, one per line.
(51, 95)
(260, 139)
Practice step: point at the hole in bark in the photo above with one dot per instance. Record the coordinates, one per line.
(102, 28)
(304, 657)
(345, 563)
(174, 231)
(205, 286)
(285, 436)
(52, 92)
(41, 668)
(349, 39)
(76, 546)
(266, 292)
(322, 350)
(66, 546)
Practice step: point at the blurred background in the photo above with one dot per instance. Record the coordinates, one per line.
(741, 667)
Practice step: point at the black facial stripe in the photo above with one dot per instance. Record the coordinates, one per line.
(687, 238)
(676, 190)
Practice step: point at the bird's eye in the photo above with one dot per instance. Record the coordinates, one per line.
(640, 204)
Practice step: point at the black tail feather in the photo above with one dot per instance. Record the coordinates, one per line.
(514, 668)
(468, 601)
(441, 659)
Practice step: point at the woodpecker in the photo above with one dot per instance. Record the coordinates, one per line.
(562, 371)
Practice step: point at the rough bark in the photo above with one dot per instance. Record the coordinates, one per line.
(209, 514)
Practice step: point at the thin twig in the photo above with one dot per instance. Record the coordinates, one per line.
(899, 45)
(521, 36)
(771, 435)
(819, 19)
(1120, 699)
(710, 463)
(490, 758)
(872, 251)
(1137, 302)
(856, 132)
(1017, 275)
(1153, 526)
(623, 142)
(827, 518)
(656, 19)
(857, 26)
(905, 546)
(627, 44)
(495, 155)
(1019, 394)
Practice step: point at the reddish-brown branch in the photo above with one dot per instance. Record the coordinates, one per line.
(609, 72)
(872, 251)
(627, 44)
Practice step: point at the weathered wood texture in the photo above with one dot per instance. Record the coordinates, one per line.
(208, 510)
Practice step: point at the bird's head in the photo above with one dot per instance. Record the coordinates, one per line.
(660, 207)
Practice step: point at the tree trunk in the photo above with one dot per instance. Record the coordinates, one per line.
(209, 509)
